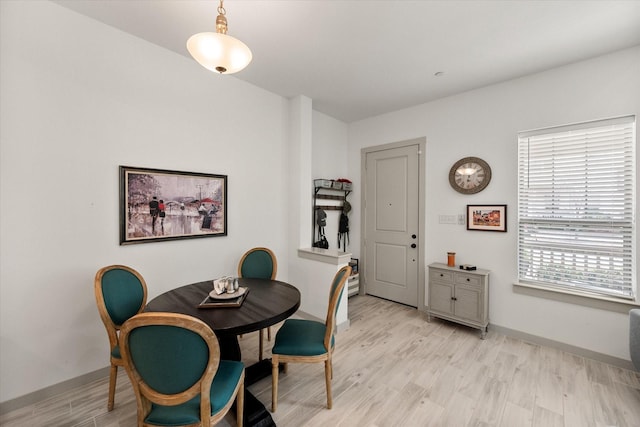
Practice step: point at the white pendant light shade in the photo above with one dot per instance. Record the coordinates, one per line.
(218, 52)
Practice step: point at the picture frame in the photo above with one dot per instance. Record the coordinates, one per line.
(487, 217)
(159, 205)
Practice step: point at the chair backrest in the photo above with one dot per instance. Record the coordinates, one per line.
(121, 293)
(335, 294)
(171, 358)
(258, 263)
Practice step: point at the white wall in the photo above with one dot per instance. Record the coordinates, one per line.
(484, 123)
(330, 162)
(329, 147)
(78, 99)
(328, 159)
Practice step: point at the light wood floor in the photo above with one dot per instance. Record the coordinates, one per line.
(392, 368)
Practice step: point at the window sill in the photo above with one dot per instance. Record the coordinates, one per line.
(584, 299)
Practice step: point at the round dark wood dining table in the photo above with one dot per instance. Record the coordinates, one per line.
(267, 302)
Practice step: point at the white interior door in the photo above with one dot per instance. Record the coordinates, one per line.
(391, 241)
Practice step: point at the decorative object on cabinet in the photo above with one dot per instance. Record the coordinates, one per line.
(487, 217)
(459, 296)
(451, 259)
(469, 175)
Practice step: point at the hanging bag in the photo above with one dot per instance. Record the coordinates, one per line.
(343, 231)
(321, 221)
(343, 226)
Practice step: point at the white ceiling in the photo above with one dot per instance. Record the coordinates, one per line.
(360, 58)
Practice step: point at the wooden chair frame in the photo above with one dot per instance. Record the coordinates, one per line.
(330, 324)
(273, 276)
(145, 395)
(112, 328)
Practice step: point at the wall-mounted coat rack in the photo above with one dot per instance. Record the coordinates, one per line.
(341, 198)
(328, 190)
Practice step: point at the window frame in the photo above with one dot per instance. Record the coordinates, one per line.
(579, 293)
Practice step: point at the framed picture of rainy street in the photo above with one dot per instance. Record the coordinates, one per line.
(159, 205)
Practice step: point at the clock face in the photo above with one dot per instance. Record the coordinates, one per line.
(469, 175)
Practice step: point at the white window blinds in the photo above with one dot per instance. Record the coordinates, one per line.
(576, 226)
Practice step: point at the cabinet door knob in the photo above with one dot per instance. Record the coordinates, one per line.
(441, 275)
(413, 245)
(413, 236)
(468, 280)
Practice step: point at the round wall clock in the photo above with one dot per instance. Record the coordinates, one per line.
(469, 175)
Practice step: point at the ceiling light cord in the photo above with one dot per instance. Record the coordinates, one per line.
(221, 20)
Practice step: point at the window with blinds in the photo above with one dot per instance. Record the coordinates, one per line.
(576, 223)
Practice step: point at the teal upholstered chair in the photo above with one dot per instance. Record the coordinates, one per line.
(121, 293)
(308, 341)
(173, 362)
(259, 263)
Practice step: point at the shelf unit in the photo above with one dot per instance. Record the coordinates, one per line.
(353, 284)
(341, 198)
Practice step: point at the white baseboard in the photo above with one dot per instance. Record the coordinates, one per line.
(579, 351)
(54, 390)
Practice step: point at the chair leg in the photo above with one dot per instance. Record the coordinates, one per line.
(274, 383)
(327, 376)
(113, 376)
(260, 345)
(240, 405)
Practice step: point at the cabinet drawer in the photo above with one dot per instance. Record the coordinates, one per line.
(441, 275)
(467, 279)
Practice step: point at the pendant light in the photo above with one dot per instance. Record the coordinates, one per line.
(218, 51)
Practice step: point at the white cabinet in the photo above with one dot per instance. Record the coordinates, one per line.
(459, 296)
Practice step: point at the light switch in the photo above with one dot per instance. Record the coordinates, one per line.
(447, 219)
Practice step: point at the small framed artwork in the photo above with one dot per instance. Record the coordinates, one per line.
(487, 217)
(158, 205)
